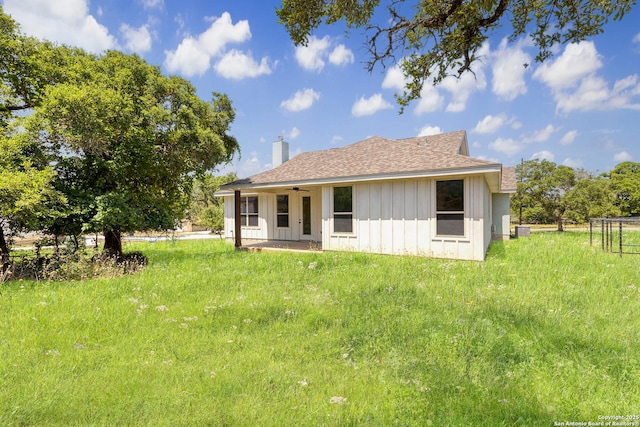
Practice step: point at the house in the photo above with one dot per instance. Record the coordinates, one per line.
(420, 196)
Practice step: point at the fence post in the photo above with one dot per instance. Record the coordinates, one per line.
(620, 229)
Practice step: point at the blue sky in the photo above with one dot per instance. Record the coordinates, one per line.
(581, 108)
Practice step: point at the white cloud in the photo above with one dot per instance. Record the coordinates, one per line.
(541, 135)
(136, 40)
(311, 57)
(62, 21)
(487, 158)
(430, 130)
(576, 86)
(188, 59)
(394, 79)
(335, 139)
(461, 89)
(490, 124)
(238, 65)
(543, 155)
(314, 55)
(430, 100)
(295, 132)
(636, 38)
(569, 137)
(252, 165)
(193, 55)
(341, 56)
(576, 62)
(506, 146)
(622, 156)
(509, 70)
(152, 4)
(573, 163)
(301, 100)
(368, 106)
(594, 94)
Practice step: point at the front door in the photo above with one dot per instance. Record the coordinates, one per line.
(305, 223)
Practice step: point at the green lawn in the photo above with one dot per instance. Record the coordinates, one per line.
(546, 330)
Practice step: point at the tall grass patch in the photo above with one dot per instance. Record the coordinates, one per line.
(545, 330)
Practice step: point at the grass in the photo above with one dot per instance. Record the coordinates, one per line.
(546, 330)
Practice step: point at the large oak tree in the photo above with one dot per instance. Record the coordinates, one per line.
(127, 142)
(99, 143)
(431, 40)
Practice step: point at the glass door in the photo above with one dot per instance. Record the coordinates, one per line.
(306, 217)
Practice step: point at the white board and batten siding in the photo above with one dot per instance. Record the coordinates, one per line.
(260, 232)
(267, 228)
(501, 216)
(398, 217)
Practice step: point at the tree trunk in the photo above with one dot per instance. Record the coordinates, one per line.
(112, 244)
(4, 251)
(560, 225)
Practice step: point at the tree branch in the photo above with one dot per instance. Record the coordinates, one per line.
(10, 108)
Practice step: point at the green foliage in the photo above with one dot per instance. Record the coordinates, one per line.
(591, 197)
(28, 199)
(27, 67)
(541, 187)
(128, 141)
(206, 209)
(117, 142)
(431, 40)
(212, 217)
(544, 331)
(625, 180)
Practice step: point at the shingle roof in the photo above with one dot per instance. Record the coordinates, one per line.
(509, 183)
(374, 156)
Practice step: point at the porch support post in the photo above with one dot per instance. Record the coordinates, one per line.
(238, 219)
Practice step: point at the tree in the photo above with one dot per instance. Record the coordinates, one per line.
(27, 197)
(127, 142)
(591, 197)
(28, 200)
(541, 187)
(436, 39)
(206, 209)
(625, 179)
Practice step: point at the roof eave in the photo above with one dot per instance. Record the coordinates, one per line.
(475, 170)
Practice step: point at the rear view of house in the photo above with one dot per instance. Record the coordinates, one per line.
(420, 196)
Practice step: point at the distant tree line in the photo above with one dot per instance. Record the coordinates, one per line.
(548, 193)
(99, 143)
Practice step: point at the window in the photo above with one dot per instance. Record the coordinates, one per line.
(249, 211)
(343, 209)
(450, 207)
(283, 210)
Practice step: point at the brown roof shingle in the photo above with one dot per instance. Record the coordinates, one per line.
(374, 156)
(509, 183)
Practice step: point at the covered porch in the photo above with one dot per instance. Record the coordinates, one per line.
(275, 217)
(254, 245)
